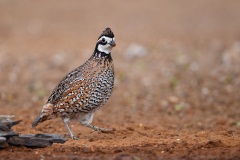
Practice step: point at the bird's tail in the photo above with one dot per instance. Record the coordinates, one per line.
(37, 120)
(47, 113)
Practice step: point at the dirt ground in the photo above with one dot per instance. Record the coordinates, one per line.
(177, 97)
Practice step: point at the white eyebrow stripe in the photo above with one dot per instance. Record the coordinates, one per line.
(106, 38)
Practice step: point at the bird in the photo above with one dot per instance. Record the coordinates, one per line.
(85, 89)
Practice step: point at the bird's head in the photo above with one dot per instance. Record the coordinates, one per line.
(106, 41)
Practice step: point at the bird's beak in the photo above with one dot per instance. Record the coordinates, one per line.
(112, 43)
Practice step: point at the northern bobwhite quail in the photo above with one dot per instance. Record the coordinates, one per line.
(85, 89)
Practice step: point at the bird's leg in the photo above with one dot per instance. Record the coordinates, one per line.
(66, 120)
(98, 129)
(88, 119)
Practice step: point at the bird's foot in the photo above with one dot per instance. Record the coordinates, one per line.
(99, 129)
(74, 138)
(103, 130)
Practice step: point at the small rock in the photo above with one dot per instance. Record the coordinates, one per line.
(173, 99)
(2, 139)
(6, 118)
(3, 143)
(205, 91)
(59, 58)
(124, 156)
(232, 55)
(135, 50)
(215, 143)
(6, 126)
(29, 142)
(8, 133)
(54, 138)
(130, 128)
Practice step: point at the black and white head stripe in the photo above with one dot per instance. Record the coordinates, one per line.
(106, 41)
(105, 44)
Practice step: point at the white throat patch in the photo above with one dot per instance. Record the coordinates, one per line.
(107, 47)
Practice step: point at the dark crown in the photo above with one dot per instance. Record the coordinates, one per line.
(107, 32)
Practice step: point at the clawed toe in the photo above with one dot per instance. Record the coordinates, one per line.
(105, 130)
(98, 129)
(74, 138)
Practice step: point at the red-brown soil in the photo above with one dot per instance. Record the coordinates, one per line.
(179, 101)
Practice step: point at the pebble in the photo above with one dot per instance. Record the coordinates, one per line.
(3, 143)
(29, 142)
(5, 127)
(6, 118)
(10, 137)
(8, 133)
(135, 50)
(54, 138)
(2, 139)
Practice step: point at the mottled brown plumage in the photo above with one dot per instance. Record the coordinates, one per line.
(85, 89)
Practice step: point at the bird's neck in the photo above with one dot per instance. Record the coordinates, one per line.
(99, 56)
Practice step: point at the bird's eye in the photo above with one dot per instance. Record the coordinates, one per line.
(103, 40)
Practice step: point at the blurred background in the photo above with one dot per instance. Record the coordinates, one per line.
(176, 62)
